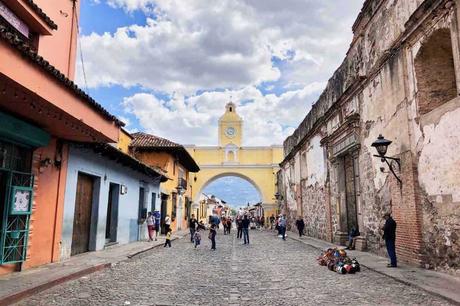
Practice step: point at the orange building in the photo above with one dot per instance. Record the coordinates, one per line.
(176, 162)
(40, 109)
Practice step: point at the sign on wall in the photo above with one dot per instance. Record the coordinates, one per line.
(21, 201)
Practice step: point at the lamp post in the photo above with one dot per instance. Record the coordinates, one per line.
(381, 145)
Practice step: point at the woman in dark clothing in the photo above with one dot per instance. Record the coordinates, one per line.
(239, 226)
(300, 226)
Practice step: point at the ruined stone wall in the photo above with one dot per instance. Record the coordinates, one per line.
(315, 211)
(387, 71)
(314, 190)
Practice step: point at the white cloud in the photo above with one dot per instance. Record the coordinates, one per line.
(200, 45)
(267, 119)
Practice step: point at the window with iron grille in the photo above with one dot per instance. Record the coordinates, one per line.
(16, 198)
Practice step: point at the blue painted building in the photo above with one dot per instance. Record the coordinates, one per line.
(108, 194)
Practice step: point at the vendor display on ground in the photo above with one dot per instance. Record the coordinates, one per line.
(337, 260)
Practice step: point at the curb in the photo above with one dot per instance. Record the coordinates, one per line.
(14, 298)
(450, 300)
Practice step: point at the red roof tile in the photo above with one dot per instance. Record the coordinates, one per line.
(143, 140)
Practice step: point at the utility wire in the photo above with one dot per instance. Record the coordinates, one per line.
(81, 51)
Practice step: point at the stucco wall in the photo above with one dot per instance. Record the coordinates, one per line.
(86, 161)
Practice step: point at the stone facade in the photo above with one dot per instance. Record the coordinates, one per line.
(400, 78)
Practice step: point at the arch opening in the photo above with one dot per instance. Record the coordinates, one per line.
(236, 189)
(435, 72)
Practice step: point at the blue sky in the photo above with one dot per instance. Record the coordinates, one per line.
(168, 67)
(234, 190)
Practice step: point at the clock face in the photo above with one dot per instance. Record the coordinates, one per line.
(230, 131)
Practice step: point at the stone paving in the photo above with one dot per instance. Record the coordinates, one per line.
(269, 271)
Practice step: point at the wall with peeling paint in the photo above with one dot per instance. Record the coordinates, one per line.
(384, 86)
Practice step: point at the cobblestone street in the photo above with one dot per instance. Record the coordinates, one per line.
(234, 274)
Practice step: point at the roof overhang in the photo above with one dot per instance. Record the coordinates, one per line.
(29, 90)
(126, 160)
(32, 15)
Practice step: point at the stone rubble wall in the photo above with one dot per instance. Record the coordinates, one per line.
(382, 83)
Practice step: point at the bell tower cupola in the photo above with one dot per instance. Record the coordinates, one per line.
(230, 127)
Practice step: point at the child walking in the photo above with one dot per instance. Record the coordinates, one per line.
(197, 237)
(168, 238)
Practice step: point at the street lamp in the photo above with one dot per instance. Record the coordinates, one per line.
(381, 145)
(278, 196)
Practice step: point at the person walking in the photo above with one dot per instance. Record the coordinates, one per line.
(300, 224)
(229, 225)
(389, 235)
(157, 216)
(150, 225)
(197, 237)
(168, 238)
(239, 227)
(282, 225)
(212, 236)
(245, 225)
(272, 221)
(192, 224)
(224, 224)
(201, 225)
(167, 224)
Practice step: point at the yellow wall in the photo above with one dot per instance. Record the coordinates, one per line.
(124, 140)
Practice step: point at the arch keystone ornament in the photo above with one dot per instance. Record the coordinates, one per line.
(256, 164)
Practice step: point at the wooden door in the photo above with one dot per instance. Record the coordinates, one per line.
(82, 216)
(352, 216)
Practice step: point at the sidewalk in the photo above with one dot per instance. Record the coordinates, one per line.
(16, 286)
(437, 283)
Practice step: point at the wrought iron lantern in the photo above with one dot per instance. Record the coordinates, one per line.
(381, 145)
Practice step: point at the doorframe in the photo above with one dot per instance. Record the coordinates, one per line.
(114, 194)
(92, 239)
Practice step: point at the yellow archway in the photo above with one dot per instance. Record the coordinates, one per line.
(256, 164)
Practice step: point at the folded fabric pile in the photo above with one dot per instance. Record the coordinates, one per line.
(337, 260)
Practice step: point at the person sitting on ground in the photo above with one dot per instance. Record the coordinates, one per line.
(354, 233)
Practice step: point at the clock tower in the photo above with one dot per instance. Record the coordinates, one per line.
(230, 127)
